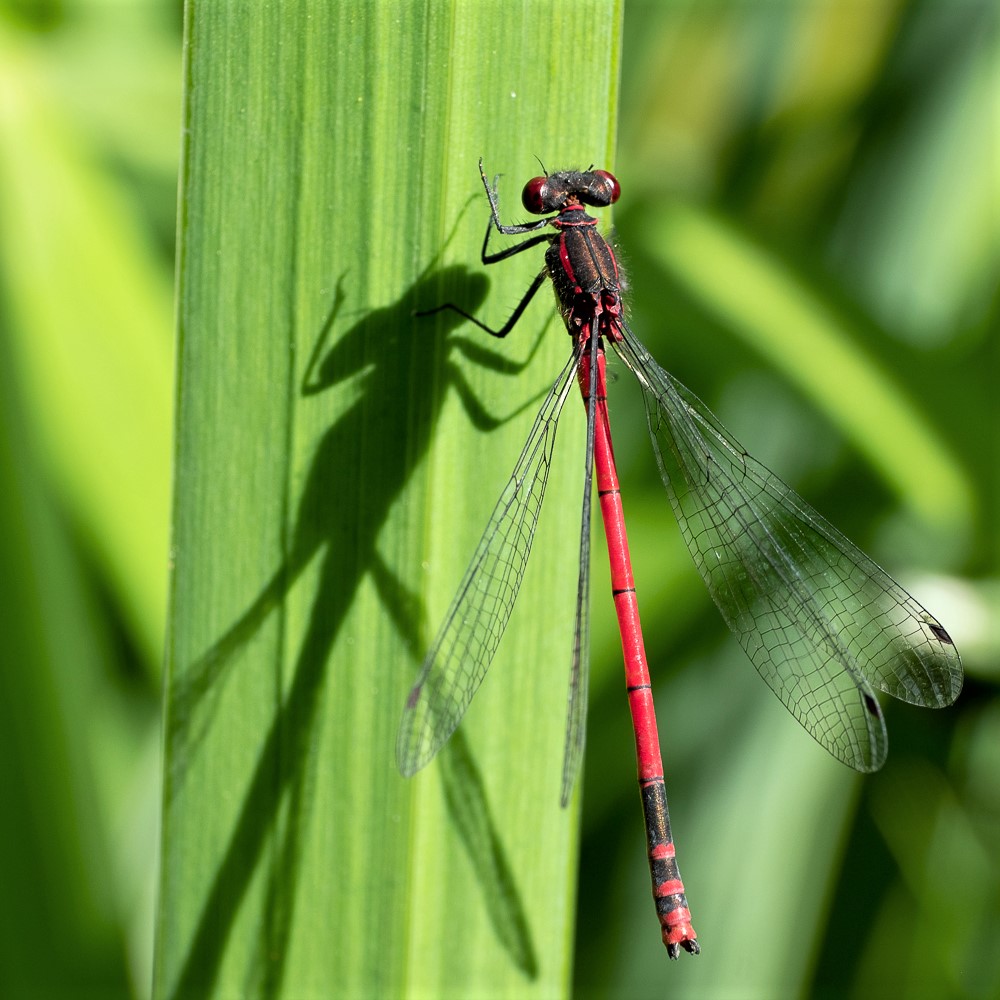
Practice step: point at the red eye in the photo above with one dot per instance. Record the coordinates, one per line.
(614, 188)
(535, 195)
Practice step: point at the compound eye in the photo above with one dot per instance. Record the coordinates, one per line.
(535, 196)
(613, 187)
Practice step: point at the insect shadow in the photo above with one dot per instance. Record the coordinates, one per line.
(388, 351)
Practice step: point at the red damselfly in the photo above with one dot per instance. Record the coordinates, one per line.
(823, 624)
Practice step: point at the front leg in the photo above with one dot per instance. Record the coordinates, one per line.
(509, 325)
(491, 193)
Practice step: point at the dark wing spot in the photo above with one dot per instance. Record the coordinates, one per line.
(939, 633)
(872, 705)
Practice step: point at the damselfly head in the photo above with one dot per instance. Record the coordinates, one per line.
(567, 189)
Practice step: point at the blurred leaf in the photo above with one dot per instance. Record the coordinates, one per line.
(803, 336)
(917, 238)
(58, 932)
(92, 312)
(951, 880)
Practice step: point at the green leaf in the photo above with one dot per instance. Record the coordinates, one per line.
(336, 462)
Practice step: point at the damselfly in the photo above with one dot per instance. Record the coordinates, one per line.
(823, 624)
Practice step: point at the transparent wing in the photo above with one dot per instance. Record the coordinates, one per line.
(576, 712)
(822, 623)
(461, 654)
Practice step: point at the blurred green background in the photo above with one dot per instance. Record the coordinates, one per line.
(810, 221)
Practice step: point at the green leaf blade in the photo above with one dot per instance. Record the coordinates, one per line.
(332, 482)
